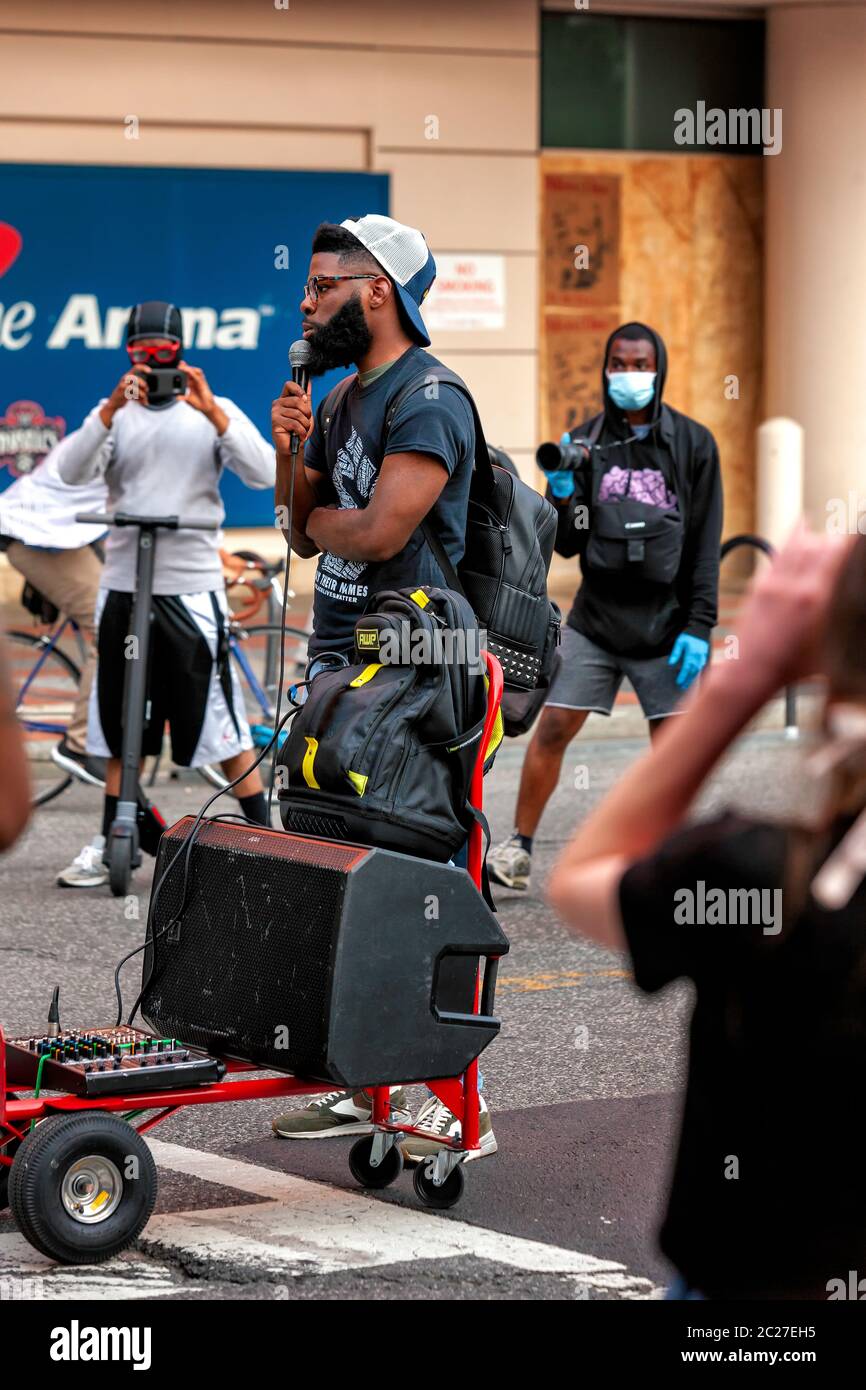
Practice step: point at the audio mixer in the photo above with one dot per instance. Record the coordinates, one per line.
(107, 1062)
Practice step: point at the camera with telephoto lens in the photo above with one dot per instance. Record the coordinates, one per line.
(555, 458)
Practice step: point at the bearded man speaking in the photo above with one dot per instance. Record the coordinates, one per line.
(361, 493)
(362, 487)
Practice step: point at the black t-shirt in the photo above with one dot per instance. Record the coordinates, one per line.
(777, 1063)
(435, 420)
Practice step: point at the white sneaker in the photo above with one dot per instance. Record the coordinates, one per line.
(87, 869)
(436, 1118)
(509, 865)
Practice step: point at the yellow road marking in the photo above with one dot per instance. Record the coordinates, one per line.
(556, 979)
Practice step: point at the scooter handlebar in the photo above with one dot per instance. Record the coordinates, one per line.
(168, 523)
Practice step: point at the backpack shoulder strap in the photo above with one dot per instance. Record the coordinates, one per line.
(443, 377)
(596, 428)
(333, 399)
(482, 465)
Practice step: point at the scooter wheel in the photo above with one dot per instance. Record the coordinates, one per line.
(362, 1169)
(450, 1192)
(83, 1188)
(119, 865)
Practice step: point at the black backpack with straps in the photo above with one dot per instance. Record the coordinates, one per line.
(510, 532)
(382, 752)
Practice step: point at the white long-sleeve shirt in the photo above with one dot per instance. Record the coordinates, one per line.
(167, 462)
(39, 509)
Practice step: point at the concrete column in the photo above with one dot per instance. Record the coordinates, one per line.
(816, 241)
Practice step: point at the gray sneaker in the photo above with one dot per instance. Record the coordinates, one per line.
(87, 869)
(437, 1119)
(509, 865)
(339, 1112)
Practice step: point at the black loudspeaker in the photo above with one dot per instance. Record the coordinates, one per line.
(330, 961)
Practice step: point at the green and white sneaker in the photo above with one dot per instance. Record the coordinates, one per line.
(437, 1119)
(339, 1112)
(509, 865)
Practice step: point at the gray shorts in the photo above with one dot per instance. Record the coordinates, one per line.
(590, 677)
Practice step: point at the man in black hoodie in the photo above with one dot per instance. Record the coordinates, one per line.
(643, 510)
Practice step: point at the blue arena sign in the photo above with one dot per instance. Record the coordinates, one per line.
(79, 245)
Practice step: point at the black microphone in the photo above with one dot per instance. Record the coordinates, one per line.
(299, 356)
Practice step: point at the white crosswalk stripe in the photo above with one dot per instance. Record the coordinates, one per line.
(303, 1226)
(299, 1227)
(25, 1274)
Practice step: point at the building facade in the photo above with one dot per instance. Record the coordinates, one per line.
(749, 264)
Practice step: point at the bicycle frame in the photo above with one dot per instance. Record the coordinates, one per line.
(237, 651)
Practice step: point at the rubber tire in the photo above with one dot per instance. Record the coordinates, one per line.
(441, 1198)
(39, 1168)
(10, 1150)
(363, 1171)
(119, 865)
(16, 1170)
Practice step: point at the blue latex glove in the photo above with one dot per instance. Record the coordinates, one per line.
(561, 483)
(694, 653)
(561, 480)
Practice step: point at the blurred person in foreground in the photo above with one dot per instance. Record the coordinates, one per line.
(648, 598)
(14, 775)
(767, 1199)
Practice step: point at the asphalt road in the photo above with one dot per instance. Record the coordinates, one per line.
(583, 1083)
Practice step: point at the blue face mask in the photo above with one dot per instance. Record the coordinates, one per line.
(631, 390)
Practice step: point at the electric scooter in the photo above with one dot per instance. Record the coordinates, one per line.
(122, 852)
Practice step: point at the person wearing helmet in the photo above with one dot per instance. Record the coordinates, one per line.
(163, 454)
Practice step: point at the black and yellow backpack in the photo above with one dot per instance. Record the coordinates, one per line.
(383, 750)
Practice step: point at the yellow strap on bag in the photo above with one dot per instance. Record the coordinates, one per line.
(309, 759)
(497, 733)
(367, 674)
(420, 598)
(359, 781)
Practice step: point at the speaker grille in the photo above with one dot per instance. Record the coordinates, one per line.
(305, 822)
(247, 971)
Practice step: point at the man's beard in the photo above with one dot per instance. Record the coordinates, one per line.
(340, 342)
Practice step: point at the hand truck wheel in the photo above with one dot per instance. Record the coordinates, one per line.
(384, 1174)
(120, 864)
(9, 1150)
(83, 1187)
(447, 1195)
(14, 1173)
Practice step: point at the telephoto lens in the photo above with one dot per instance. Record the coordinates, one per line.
(552, 458)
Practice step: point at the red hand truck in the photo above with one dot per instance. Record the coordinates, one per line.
(81, 1181)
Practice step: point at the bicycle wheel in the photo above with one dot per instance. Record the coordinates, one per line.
(252, 652)
(44, 703)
